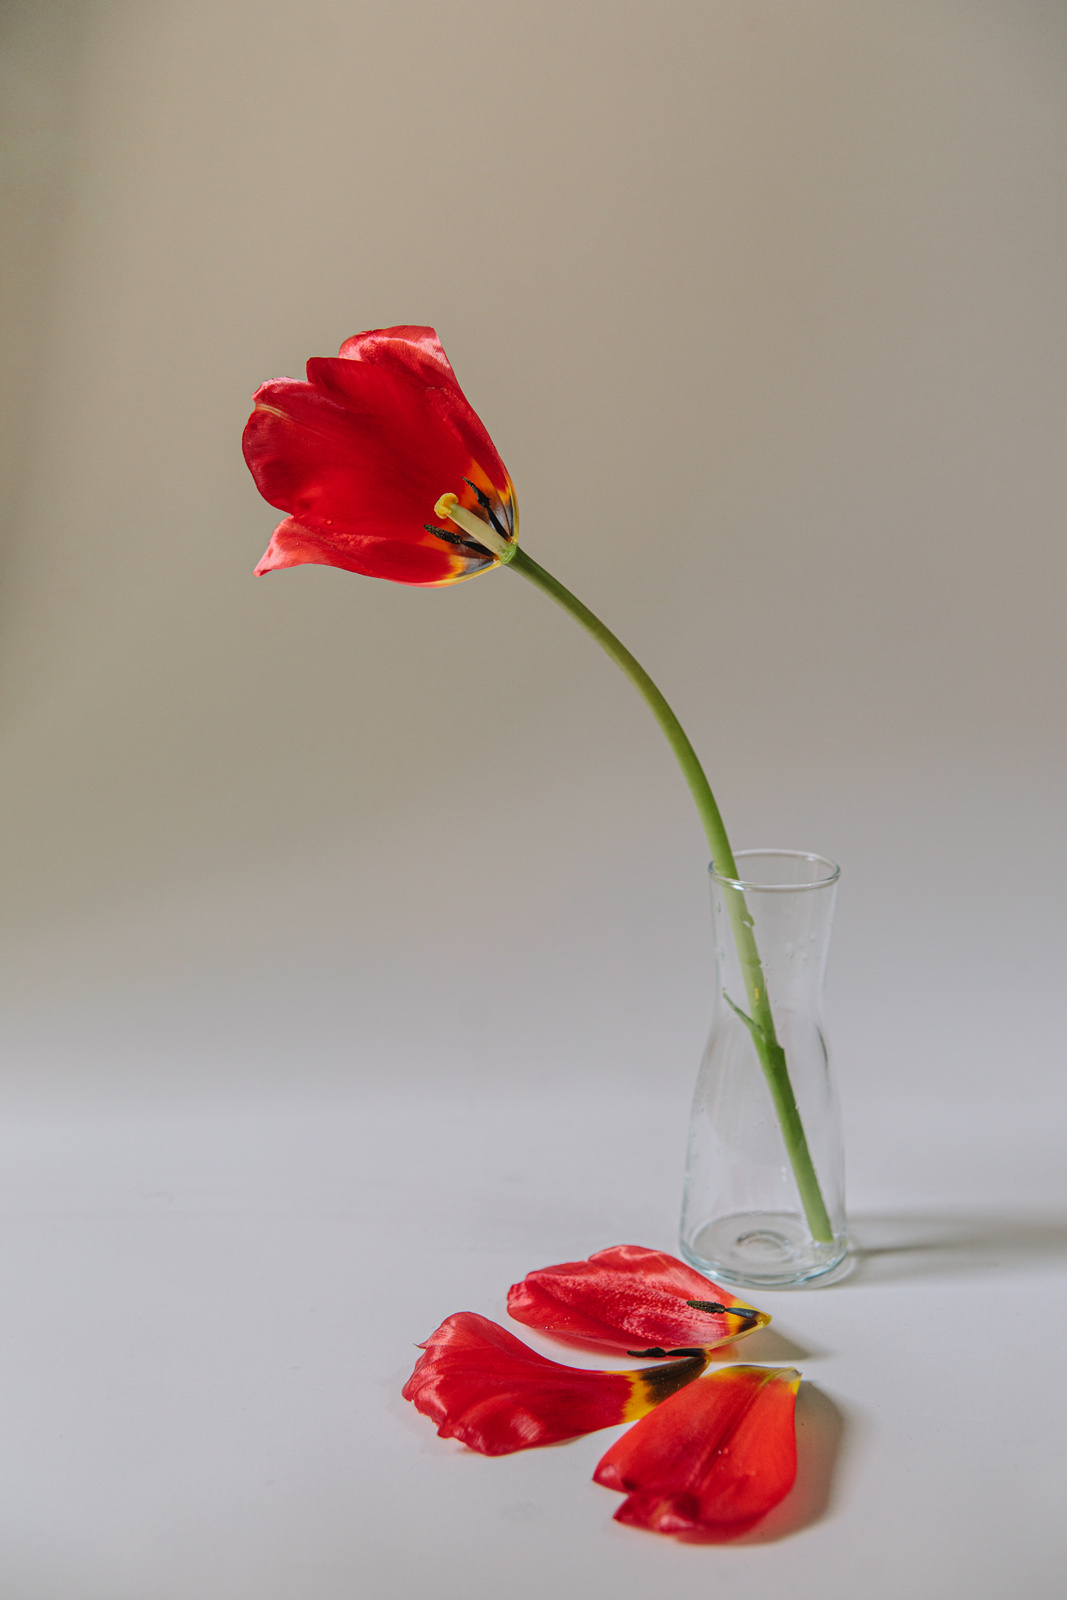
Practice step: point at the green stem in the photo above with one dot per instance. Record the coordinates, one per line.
(761, 1025)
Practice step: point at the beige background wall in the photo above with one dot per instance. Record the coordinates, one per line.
(763, 303)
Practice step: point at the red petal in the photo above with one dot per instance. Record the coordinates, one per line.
(419, 350)
(360, 455)
(293, 545)
(714, 1458)
(416, 355)
(629, 1298)
(481, 1385)
(330, 457)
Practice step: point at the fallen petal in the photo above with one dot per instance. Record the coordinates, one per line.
(633, 1299)
(483, 1386)
(714, 1458)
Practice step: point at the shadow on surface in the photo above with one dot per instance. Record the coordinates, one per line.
(821, 1431)
(894, 1247)
(766, 1347)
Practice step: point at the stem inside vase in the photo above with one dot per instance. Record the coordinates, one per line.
(742, 1221)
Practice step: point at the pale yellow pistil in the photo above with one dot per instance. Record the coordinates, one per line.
(449, 509)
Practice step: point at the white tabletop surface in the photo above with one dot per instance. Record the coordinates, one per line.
(210, 1316)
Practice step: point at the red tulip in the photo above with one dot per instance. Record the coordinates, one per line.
(713, 1459)
(361, 453)
(486, 1388)
(627, 1298)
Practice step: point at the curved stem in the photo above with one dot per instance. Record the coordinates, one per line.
(761, 1022)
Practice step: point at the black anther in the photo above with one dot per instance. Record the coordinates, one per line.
(454, 538)
(487, 506)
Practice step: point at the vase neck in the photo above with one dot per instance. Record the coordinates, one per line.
(791, 922)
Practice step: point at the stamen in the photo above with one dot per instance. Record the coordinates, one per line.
(716, 1310)
(487, 506)
(454, 538)
(663, 1381)
(498, 544)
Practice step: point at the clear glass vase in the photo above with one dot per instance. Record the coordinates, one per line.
(764, 1196)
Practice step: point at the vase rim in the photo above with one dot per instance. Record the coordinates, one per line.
(823, 881)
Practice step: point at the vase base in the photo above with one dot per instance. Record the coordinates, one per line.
(767, 1249)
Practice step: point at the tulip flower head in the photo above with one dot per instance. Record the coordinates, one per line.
(362, 455)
